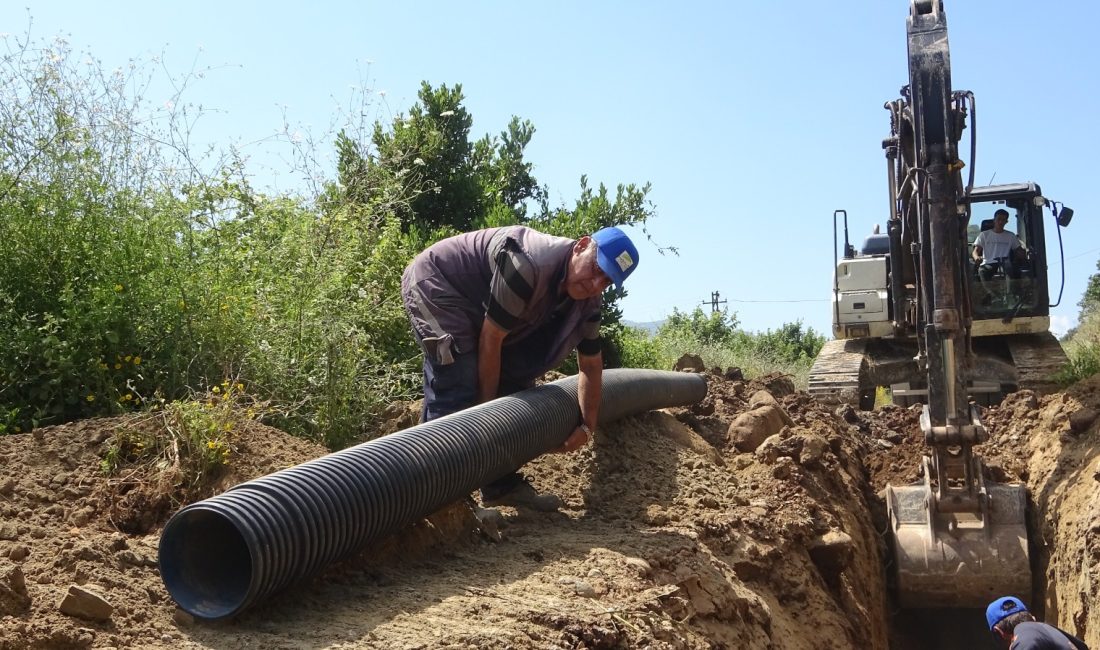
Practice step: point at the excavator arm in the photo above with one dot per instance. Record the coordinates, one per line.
(941, 213)
(958, 541)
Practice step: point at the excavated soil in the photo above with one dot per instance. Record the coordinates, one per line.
(678, 532)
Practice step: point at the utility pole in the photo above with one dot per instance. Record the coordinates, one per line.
(713, 302)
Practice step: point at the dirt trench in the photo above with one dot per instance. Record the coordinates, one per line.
(750, 520)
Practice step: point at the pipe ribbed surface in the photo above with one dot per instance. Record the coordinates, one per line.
(224, 554)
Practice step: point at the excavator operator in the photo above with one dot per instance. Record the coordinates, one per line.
(999, 249)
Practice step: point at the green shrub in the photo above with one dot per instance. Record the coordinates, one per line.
(82, 246)
(638, 349)
(789, 350)
(130, 274)
(788, 344)
(717, 328)
(329, 339)
(1083, 349)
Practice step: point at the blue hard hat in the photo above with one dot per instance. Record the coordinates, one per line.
(1002, 608)
(615, 253)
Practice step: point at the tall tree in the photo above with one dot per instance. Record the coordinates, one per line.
(424, 168)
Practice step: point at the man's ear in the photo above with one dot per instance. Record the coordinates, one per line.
(582, 244)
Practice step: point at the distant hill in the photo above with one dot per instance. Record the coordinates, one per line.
(650, 326)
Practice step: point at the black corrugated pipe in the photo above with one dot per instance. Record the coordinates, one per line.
(222, 555)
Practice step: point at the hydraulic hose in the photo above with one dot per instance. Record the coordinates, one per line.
(225, 554)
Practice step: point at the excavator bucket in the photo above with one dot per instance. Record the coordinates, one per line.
(958, 559)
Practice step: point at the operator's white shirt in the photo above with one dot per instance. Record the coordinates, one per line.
(996, 245)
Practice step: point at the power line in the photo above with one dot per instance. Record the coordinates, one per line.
(813, 300)
(1082, 254)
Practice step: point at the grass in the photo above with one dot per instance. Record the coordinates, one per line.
(753, 363)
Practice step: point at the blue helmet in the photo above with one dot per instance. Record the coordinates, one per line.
(1002, 608)
(615, 253)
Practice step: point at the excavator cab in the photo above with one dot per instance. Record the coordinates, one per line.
(1012, 286)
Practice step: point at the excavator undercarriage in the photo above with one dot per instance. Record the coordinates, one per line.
(850, 371)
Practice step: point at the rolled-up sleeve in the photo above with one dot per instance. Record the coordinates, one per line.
(590, 331)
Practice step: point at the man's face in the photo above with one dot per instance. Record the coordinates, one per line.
(584, 278)
(1000, 221)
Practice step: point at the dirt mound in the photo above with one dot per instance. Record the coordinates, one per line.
(1062, 456)
(62, 524)
(749, 520)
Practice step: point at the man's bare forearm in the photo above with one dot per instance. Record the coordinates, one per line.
(488, 361)
(590, 388)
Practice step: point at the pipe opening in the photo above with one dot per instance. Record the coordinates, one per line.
(205, 563)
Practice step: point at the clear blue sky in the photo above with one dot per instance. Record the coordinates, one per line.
(752, 120)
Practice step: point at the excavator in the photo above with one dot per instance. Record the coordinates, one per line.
(913, 312)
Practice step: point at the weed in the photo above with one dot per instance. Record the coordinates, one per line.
(195, 439)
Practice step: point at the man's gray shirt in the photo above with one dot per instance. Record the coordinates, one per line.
(512, 276)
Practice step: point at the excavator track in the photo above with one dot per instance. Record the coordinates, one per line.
(839, 373)
(1037, 358)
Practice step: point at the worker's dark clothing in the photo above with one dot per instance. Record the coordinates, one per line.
(1041, 636)
(452, 387)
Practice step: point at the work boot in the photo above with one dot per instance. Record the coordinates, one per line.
(488, 516)
(516, 490)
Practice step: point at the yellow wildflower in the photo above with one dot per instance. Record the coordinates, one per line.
(137, 361)
(118, 287)
(118, 366)
(90, 397)
(128, 357)
(211, 444)
(217, 390)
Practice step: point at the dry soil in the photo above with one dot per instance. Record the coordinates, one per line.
(677, 533)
